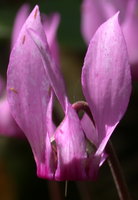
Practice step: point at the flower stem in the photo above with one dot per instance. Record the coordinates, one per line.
(82, 105)
(117, 174)
(112, 160)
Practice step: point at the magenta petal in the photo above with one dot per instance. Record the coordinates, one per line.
(8, 126)
(21, 16)
(106, 78)
(91, 18)
(89, 129)
(53, 72)
(93, 14)
(71, 148)
(120, 6)
(51, 24)
(2, 86)
(130, 30)
(28, 86)
(46, 169)
(49, 121)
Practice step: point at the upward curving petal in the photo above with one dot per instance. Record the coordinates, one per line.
(93, 14)
(28, 86)
(51, 24)
(130, 30)
(71, 148)
(89, 129)
(91, 18)
(8, 126)
(106, 79)
(2, 84)
(53, 72)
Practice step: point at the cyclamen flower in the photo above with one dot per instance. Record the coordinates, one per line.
(95, 12)
(61, 153)
(8, 126)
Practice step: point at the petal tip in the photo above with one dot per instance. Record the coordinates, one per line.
(114, 18)
(35, 12)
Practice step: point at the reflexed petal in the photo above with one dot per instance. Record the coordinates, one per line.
(120, 6)
(8, 126)
(19, 21)
(91, 18)
(1, 86)
(46, 169)
(51, 24)
(89, 129)
(130, 30)
(28, 86)
(49, 121)
(93, 14)
(71, 148)
(51, 69)
(106, 78)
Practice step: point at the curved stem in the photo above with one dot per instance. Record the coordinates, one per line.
(117, 174)
(113, 161)
(82, 105)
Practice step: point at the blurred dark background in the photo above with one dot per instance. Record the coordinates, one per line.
(18, 180)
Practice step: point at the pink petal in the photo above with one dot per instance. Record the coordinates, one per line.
(21, 16)
(106, 78)
(51, 24)
(130, 30)
(49, 120)
(89, 129)
(93, 14)
(71, 148)
(2, 84)
(8, 126)
(54, 73)
(120, 6)
(47, 169)
(28, 86)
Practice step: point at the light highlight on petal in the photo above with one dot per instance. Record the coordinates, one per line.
(28, 86)
(106, 78)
